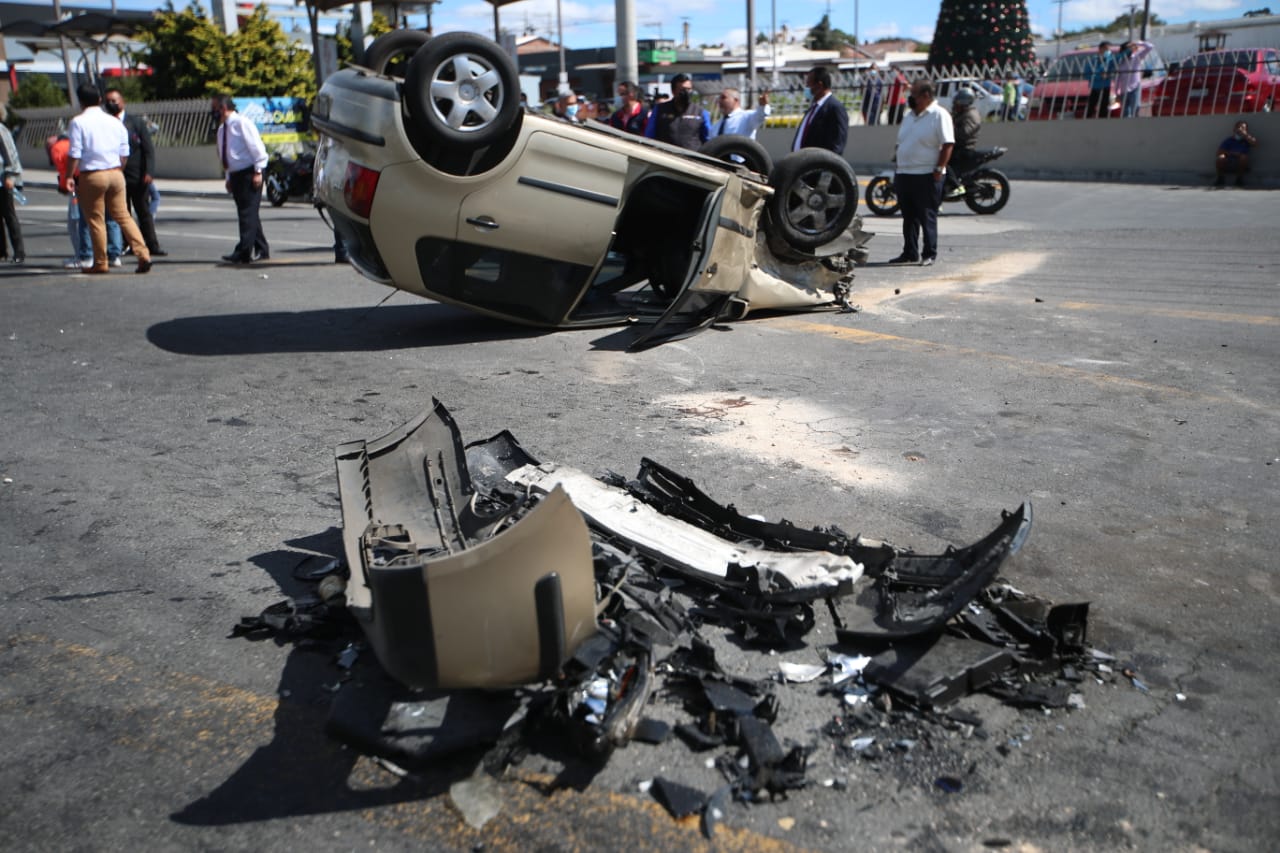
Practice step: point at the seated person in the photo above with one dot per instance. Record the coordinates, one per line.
(1233, 154)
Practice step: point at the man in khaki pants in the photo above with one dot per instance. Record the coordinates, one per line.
(99, 147)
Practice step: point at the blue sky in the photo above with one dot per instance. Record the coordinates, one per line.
(588, 23)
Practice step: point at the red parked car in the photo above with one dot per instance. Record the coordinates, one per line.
(1063, 90)
(1243, 80)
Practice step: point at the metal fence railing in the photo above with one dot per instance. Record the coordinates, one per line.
(174, 124)
(1227, 82)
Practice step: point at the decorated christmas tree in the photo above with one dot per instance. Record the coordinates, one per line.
(982, 32)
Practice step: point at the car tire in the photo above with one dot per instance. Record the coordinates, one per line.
(393, 45)
(986, 191)
(462, 89)
(815, 197)
(881, 197)
(742, 150)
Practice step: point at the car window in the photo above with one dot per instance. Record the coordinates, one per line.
(1224, 59)
(519, 285)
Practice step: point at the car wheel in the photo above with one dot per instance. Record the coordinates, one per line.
(881, 197)
(275, 190)
(742, 150)
(462, 89)
(986, 191)
(380, 55)
(815, 197)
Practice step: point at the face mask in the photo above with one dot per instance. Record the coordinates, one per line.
(571, 111)
(617, 101)
(112, 109)
(808, 93)
(1240, 136)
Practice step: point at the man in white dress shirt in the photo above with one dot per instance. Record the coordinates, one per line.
(737, 120)
(243, 158)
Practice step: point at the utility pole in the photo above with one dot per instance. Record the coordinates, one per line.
(1133, 7)
(751, 52)
(626, 58)
(1146, 16)
(1058, 34)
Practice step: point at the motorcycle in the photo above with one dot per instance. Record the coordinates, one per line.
(288, 177)
(984, 190)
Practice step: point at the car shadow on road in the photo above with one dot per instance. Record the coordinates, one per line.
(326, 721)
(332, 330)
(302, 770)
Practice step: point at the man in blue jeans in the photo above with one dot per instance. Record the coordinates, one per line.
(925, 140)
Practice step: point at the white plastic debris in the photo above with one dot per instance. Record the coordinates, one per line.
(800, 673)
(644, 786)
(1100, 655)
(844, 667)
(1102, 667)
(8, 479)
(859, 744)
(1181, 697)
(1076, 700)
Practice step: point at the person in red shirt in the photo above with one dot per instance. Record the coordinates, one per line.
(631, 116)
(57, 147)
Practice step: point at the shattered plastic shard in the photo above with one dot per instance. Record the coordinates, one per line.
(687, 548)
(919, 594)
(801, 673)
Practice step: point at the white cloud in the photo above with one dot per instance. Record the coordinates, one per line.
(922, 33)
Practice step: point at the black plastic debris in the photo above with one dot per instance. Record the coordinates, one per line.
(652, 731)
(949, 784)
(938, 670)
(679, 800)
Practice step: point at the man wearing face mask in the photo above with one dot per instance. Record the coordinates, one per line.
(681, 120)
(567, 107)
(243, 159)
(1233, 154)
(825, 124)
(138, 168)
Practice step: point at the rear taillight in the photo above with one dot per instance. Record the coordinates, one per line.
(358, 188)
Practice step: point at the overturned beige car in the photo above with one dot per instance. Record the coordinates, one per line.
(439, 184)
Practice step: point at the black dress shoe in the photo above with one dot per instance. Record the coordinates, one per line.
(143, 267)
(233, 258)
(905, 259)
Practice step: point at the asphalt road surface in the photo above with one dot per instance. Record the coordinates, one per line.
(1106, 352)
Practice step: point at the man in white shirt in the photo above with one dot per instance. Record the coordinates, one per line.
(925, 139)
(99, 147)
(736, 119)
(243, 158)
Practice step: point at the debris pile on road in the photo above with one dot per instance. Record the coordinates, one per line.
(579, 604)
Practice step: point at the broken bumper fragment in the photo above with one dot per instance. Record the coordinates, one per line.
(448, 595)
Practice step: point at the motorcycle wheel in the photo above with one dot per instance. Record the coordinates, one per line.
(275, 190)
(880, 196)
(986, 191)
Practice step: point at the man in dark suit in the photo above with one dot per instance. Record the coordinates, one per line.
(138, 169)
(826, 124)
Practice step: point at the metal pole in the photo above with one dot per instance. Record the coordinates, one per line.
(66, 58)
(1146, 16)
(773, 40)
(626, 59)
(751, 52)
(564, 74)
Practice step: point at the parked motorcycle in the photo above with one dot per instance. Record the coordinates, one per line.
(288, 177)
(986, 190)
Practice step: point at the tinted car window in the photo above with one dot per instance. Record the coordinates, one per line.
(540, 290)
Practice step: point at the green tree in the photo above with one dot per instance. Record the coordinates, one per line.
(38, 90)
(1120, 24)
(981, 32)
(822, 36)
(346, 53)
(193, 58)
